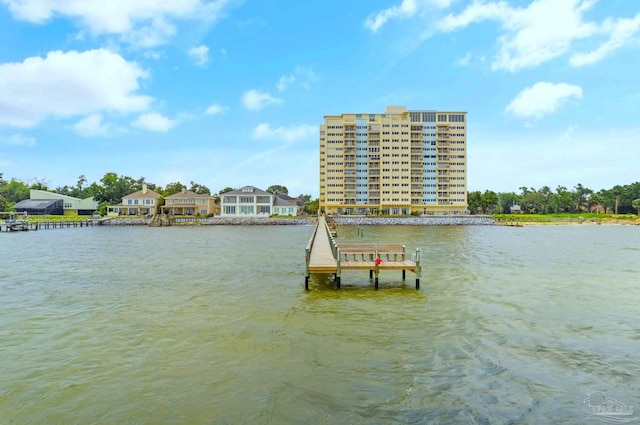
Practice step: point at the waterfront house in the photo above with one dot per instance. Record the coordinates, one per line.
(142, 202)
(249, 201)
(43, 202)
(188, 202)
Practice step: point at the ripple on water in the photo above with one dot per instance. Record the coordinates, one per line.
(205, 325)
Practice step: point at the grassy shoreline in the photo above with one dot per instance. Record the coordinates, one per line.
(566, 219)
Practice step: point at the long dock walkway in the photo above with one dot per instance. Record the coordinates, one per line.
(324, 255)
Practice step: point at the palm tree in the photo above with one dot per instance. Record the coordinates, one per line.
(617, 190)
(636, 204)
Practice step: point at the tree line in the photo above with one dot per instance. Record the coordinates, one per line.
(620, 199)
(112, 188)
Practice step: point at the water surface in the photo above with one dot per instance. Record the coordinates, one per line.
(211, 325)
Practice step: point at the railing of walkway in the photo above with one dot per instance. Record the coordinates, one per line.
(307, 254)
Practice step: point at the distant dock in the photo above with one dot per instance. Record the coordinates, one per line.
(19, 222)
(324, 255)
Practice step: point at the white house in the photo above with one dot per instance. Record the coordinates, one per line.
(249, 201)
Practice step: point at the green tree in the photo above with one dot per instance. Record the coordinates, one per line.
(507, 200)
(173, 188)
(581, 195)
(312, 206)
(304, 198)
(39, 184)
(546, 198)
(14, 191)
(563, 200)
(81, 181)
(636, 204)
(277, 190)
(594, 200)
(113, 188)
(617, 192)
(474, 202)
(226, 189)
(199, 189)
(489, 201)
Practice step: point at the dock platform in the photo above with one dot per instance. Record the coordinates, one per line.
(325, 255)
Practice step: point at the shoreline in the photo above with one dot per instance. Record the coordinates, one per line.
(343, 220)
(469, 220)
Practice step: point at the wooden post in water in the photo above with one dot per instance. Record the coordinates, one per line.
(377, 269)
(418, 268)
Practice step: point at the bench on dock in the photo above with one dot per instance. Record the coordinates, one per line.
(363, 256)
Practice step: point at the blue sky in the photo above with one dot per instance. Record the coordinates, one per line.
(231, 93)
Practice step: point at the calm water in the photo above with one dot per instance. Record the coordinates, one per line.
(211, 325)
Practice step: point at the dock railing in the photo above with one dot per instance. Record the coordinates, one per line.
(374, 257)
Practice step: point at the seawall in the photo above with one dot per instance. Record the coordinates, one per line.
(467, 220)
(343, 220)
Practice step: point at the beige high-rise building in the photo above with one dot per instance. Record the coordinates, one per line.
(398, 163)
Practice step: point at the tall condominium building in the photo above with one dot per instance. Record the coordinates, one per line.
(398, 163)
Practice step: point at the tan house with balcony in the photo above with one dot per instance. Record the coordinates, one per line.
(142, 202)
(188, 202)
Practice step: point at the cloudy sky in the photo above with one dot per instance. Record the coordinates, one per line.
(231, 92)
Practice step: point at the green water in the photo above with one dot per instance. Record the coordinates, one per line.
(211, 325)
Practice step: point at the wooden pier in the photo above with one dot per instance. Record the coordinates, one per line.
(324, 255)
(16, 222)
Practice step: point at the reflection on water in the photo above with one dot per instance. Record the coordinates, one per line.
(211, 325)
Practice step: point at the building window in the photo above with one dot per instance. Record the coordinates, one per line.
(246, 199)
(230, 209)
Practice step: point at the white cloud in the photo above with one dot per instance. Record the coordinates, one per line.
(91, 126)
(154, 54)
(141, 22)
(301, 76)
(284, 82)
(154, 121)
(542, 98)
(215, 109)
(406, 9)
(542, 31)
(621, 31)
(67, 84)
(18, 140)
(200, 54)
(287, 134)
(254, 100)
(465, 60)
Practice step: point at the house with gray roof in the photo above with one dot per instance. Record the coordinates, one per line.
(70, 204)
(249, 201)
